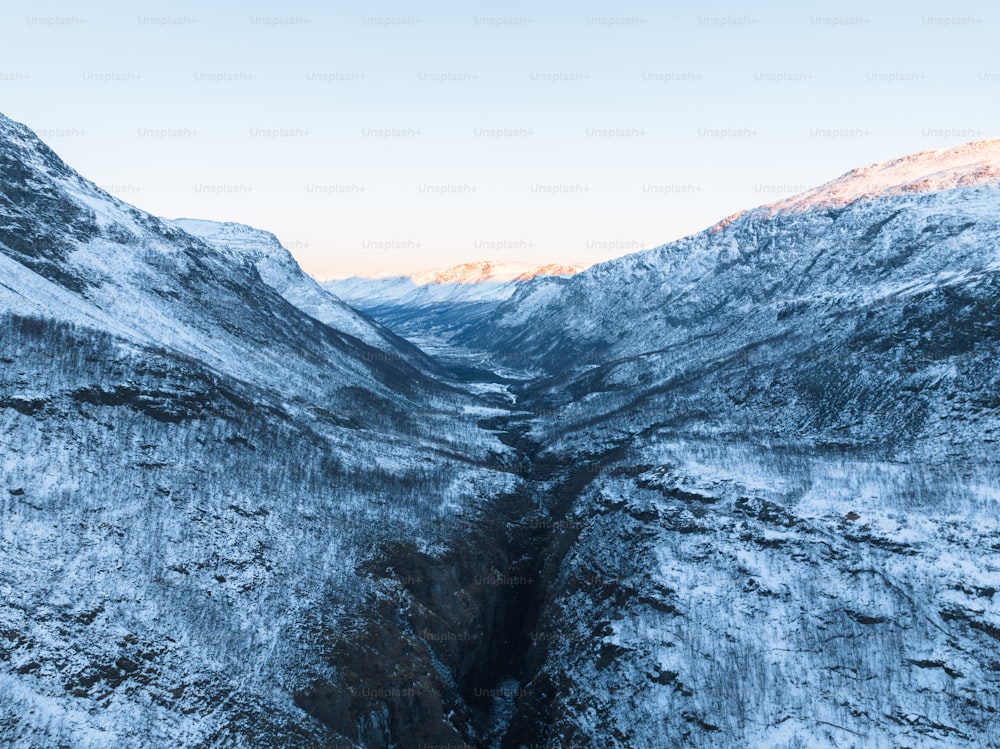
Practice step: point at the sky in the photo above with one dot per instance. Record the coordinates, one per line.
(388, 137)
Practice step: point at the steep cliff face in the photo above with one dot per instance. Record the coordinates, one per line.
(721, 593)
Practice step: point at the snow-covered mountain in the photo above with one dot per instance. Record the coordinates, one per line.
(481, 281)
(750, 498)
(760, 270)
(88, 257)
(976, 163)
(429, 307)
(278, 269)
(485, 271)
(210, 471)
(768, 454)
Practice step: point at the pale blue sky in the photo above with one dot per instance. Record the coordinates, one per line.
(416, 135)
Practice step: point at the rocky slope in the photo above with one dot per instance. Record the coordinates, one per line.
(278, 269)
(209, 474)
(767, 456)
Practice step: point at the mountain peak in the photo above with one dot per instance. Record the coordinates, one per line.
(489, 270)
(474, 272)
(552, 269)
(972, 163)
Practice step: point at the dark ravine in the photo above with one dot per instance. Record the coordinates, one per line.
(435, 653)
(558, 482)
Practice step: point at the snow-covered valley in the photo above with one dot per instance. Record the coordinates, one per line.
(738, 490)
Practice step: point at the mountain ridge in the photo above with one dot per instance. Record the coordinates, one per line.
(973, 163)
(472, 272)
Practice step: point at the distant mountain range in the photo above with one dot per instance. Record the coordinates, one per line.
(488, 270)
(482, 281)
(737, 490)
(441, 300)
